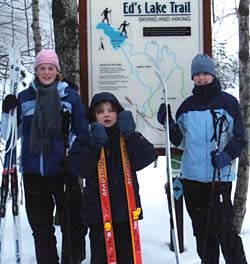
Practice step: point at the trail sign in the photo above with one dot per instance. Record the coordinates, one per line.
(127, 40)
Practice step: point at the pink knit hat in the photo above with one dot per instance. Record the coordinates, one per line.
(47, 56)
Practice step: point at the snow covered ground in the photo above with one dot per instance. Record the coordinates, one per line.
(154, 227)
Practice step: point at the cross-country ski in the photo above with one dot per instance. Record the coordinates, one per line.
(171, 200)
(10, 179)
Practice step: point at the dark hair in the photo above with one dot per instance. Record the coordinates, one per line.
(93, 113)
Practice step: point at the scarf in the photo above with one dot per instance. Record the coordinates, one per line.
(205, 92)
(46, 121)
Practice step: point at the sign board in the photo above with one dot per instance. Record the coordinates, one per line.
(129, 40)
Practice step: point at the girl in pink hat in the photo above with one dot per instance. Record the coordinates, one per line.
(42, 112)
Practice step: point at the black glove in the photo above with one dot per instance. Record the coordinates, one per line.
(220, 159)
(66, 119)
(126, 123)
(64, 165)
(161, 116)
(98, 136)
(9, 103)
(64, 168)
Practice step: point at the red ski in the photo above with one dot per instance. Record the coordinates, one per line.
(134, 212)
(106, 209)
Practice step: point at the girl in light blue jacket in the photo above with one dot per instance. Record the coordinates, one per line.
(210, 131)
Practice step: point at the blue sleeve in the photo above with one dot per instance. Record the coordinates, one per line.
(79, 118)
(238, 142)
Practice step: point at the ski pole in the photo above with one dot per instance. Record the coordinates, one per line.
(65, 128)
(217, 138)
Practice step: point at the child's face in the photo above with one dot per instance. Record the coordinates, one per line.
(203, 78)
(46, 73)
(106, 114)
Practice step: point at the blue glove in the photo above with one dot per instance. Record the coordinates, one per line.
(220, 159)
(126, 123)
(98, 136)
(161, 116)
(9, 103)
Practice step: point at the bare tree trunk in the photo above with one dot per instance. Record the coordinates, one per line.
(213, 12)
(27, 27)
(66, 30)
(51, 28)
(244, 77)
(12, 24)
(35, 26)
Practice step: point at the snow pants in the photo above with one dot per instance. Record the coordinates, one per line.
(216, 230)
(123, 244)
(42, 194)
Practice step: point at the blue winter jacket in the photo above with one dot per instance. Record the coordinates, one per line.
(141, 154)
(47, 164)
(199, 132)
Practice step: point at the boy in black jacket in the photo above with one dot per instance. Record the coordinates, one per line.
(108, 121)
